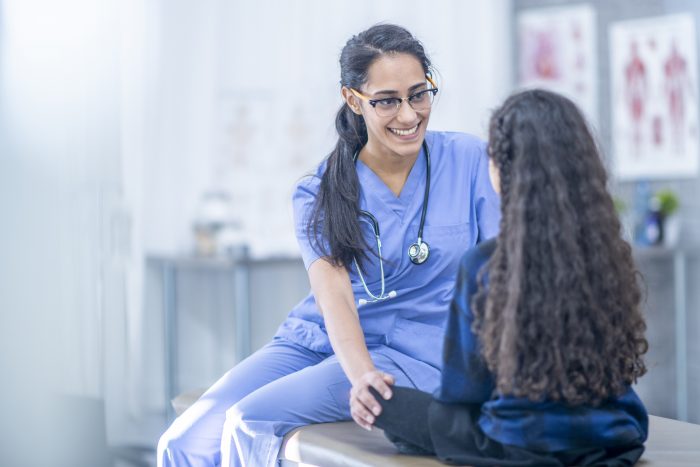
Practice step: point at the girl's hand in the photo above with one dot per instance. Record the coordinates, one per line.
(364, 408)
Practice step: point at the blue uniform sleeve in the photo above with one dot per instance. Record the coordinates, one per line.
(486, 200)
(303, 201)
(465, 377)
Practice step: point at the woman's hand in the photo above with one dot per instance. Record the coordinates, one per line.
(364, 408)
(333, 293)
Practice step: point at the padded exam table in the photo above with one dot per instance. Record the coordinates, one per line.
(671, 443)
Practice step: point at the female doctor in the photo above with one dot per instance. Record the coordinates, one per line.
(381, 227)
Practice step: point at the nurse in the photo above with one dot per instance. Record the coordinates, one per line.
(381, 226)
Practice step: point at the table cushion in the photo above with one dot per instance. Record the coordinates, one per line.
(671, 443)
(344, 444)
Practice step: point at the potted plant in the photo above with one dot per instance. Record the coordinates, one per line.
(668, 201)
(668, 204)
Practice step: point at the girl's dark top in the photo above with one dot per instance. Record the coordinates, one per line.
(544, 426)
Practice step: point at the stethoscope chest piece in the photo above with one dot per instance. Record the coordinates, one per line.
(419, 252)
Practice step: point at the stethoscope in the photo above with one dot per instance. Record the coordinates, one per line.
(418, 252)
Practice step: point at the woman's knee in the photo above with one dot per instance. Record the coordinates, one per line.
(253, 414)
(172, 445)
(239, 415)
(193, 435)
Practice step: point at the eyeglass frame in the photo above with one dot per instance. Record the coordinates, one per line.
(373, 102)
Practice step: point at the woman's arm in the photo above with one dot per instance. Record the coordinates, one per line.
(333, 292)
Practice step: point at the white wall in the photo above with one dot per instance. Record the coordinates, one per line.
(245, 98)
(60, 180)
(249, 91)
(117, 115)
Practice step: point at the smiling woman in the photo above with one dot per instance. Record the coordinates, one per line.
(420, 100)
(379, 295)
(395, 131)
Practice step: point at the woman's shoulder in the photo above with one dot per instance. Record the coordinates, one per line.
(454, 142)
(459, 151)
(310, 182)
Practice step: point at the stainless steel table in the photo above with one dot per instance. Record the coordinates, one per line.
(679, 256)
(170, 267)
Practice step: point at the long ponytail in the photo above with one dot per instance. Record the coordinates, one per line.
(336, 212)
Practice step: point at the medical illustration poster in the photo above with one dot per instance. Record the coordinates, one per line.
(654, 92)
(265, 145)
(557, 51)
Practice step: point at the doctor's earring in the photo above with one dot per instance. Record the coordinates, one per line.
(351, 101)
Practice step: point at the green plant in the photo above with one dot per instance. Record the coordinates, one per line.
(668, 202)
(620, 205)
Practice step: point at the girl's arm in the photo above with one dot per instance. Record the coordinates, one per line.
(333, 292)
(465, 377)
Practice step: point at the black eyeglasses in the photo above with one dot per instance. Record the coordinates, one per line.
(389, 106)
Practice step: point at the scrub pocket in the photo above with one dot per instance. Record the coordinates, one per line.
(419, 341)
(447, 245)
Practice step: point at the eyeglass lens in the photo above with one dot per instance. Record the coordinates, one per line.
(419, 101)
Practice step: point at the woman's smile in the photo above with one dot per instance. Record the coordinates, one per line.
(406, 133)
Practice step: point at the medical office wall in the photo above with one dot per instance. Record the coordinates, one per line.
(632, 67)
(269, 134)
(245, 99)
(116, 118)
(260, 87)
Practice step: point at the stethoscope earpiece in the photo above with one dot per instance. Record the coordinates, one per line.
(364, 301)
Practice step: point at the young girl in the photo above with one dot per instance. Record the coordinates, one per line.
(545, 334)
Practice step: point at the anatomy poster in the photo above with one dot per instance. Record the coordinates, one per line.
(557, 51)
(264, 147)
(653, 66)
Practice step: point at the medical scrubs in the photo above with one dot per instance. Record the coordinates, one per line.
(296, 379)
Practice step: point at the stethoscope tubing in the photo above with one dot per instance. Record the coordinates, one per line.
(417, 259)
(426, 196)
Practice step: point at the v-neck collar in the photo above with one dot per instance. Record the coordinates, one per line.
(373, 185)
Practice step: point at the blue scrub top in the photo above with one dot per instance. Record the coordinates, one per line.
(463, 209)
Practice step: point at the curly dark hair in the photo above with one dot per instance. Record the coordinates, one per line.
(560, 316)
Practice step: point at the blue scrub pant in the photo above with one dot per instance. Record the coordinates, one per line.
(242, 418)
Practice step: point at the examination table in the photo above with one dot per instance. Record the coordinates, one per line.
(344, 444)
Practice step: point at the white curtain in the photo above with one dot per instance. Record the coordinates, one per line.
(61, 245)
